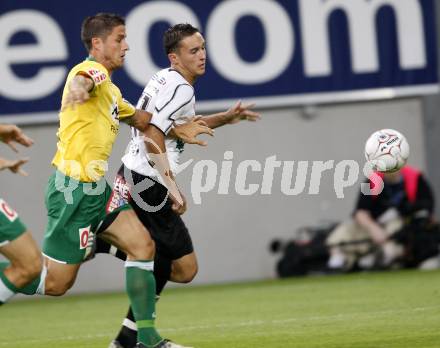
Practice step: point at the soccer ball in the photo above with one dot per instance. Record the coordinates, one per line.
(386, 150)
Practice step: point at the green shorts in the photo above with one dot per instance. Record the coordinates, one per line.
(11, 226)
(75, 211)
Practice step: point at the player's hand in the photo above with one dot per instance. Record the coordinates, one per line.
(10, 133)
(240, 112)
(78, 92)
(179, 203)
(14, 165)
(188, 131)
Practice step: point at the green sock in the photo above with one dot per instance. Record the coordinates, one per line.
(141, 289)
(29, 289)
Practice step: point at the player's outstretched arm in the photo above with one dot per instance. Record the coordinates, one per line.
(189, 131)
(14, 165)
(78, 91)
(238, 112)
(10, 133)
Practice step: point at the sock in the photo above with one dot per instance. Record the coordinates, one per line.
(7, 289)
(103, 247)
(141, 288)
(127, 336)
(34, 287)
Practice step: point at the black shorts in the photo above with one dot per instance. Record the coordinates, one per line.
(166, 227)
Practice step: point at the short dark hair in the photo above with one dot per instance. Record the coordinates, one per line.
(99, 25)
(175, 34)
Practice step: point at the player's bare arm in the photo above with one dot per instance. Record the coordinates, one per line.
(10, 133)
(140, 120)
(159, 160)
(187, 132)
(78, 91)
(238, 112)
(14, 165)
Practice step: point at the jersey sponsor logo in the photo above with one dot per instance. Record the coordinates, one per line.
(97, 76)
(7, 211)
(159, 80)
(120, 195)
(114, 114)
(84, 237)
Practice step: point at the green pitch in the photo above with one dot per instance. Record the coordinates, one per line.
(379, 310)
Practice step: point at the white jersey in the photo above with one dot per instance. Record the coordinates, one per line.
(169, 98)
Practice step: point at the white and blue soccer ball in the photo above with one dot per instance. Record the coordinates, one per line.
(387, 150)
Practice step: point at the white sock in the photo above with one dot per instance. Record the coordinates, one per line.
(42, 285)
(129, 324)
(5, 292)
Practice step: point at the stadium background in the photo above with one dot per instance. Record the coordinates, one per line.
(309, 113)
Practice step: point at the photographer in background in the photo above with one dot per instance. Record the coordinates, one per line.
(394, 225)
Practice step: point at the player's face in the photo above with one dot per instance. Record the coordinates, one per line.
(114, 48)
(191, 55)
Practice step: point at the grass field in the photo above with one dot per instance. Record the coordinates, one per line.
(376, 310)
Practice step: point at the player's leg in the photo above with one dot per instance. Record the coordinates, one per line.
(168, 231)
(175, 260)
(25, 265)
(69, 233)
(164, 231)
(129, 235)
(59, 278)
(127, 336)
(184, 269)
(22, 251)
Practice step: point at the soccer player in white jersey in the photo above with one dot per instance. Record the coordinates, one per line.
(169, 97)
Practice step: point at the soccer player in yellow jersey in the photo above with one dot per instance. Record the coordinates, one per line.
(77, 194)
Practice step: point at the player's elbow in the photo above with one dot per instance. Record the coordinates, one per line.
(141, 120)
(142, 126)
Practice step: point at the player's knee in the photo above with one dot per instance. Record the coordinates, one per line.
(27, 271)
(142, 249)
(189, 273)
(34, 267)
(192, 272)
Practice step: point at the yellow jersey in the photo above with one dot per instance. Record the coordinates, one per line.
(87, 131)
